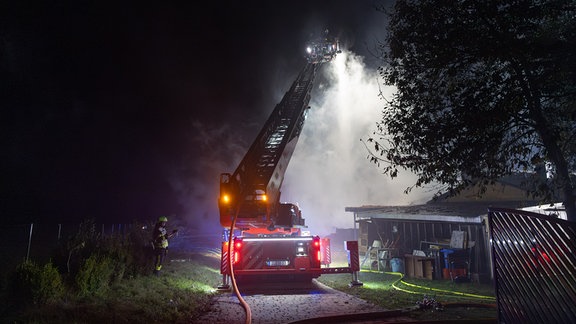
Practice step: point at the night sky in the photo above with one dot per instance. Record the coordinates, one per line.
(130, 111)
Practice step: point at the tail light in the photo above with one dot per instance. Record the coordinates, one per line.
(316, 245)
(237, 249)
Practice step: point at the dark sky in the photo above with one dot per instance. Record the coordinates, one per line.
(130, 110)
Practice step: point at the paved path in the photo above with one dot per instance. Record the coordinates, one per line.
(285, 303)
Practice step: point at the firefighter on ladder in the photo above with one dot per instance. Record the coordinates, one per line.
(160, 242)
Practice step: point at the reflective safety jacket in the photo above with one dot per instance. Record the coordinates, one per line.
(160, 238)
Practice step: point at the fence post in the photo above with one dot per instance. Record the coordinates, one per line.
(29, 241)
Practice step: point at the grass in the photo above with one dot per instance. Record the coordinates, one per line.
(181, 293)
(457, 301)
(185, 289)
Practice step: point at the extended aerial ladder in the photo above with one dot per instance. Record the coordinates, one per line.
(272, 240)
(253, 191)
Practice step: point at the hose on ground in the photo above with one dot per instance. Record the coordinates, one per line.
(442, 292)
(231, 265)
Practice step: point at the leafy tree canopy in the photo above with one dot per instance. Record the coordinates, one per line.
(484, 88)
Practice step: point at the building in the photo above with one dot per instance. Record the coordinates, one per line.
(434, 229)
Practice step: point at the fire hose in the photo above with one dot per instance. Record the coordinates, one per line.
(231, 265)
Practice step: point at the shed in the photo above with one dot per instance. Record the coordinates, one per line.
(434, 229)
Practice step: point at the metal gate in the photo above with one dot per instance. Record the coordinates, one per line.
(534, 263)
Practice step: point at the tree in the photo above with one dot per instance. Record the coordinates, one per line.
(483, 89)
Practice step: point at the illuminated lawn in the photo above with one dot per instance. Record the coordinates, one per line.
(391, 291)
(181, 293)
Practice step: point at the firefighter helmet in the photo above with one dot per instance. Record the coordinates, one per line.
(163, 219)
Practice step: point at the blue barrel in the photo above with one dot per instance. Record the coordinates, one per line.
(446, 252)
(396, 265)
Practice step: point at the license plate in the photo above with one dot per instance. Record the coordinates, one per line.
(277, 263)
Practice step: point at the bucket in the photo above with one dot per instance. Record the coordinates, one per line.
(396, 265)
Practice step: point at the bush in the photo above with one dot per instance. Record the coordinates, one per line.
(95, 275)
(33, 284)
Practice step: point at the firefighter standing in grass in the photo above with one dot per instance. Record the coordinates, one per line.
(160, 242)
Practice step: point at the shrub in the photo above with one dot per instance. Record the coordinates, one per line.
(95, 275)
(34, 284)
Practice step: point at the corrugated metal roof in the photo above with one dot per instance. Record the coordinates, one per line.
(460, 212)
(466, 207)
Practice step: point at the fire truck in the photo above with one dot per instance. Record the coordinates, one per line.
(266, 238)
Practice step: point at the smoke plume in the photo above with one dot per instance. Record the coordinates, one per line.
(329, 169)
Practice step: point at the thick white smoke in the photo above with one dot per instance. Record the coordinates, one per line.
(330, 169)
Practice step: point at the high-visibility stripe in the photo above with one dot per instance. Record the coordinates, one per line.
(224, 264)
(253, 254)
(353, 255)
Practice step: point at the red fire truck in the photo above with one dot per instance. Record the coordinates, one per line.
(265, 238)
